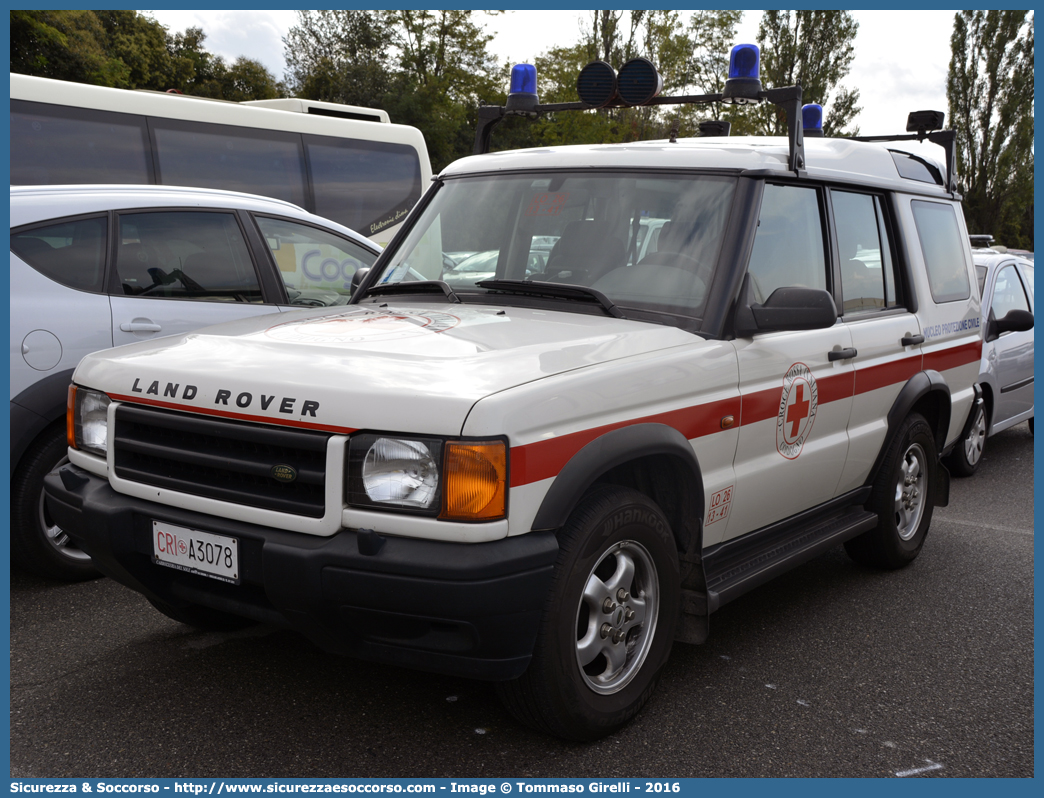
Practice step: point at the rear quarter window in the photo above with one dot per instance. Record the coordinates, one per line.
(70, 252)
(943, 250)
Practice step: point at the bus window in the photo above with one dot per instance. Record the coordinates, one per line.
(366, 185)
(51, 144)
(233, 158)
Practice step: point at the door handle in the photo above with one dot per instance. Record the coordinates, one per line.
(912, 340)
(140, 326)
(842, 354)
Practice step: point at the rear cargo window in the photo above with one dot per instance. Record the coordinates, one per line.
(943, 250)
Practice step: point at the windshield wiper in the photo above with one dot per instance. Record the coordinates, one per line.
(554, 290)
(415, 287)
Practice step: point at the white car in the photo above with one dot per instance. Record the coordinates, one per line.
(98, 266)
(544, 482)
(1006, 369)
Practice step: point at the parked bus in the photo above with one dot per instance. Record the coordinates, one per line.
(343, 162)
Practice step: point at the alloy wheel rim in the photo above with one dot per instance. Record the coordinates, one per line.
(976, 440)
(616, 617)
(910, 491)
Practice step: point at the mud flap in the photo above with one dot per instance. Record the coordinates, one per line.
(942, 485)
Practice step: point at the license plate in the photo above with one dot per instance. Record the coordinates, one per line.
(196, 552)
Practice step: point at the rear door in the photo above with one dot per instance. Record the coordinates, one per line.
(178, 270)
(886, 335)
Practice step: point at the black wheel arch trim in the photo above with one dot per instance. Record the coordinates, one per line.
(36, 408)
(917, 387)
(614, 449)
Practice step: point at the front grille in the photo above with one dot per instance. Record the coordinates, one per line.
(227, 460)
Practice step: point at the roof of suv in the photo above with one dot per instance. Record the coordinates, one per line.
(827, 158)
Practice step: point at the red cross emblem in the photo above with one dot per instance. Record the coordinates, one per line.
(797, 410)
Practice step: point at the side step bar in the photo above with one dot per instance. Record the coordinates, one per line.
(741, 565)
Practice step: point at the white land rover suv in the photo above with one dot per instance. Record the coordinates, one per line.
(546, 480)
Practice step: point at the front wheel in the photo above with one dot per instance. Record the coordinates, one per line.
(967, 454)
(608, 623)
(903, 498)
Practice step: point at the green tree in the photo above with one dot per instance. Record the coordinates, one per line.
(815, 49)
(990, 92)
(339, 56)
(139, 44)
(64, 45)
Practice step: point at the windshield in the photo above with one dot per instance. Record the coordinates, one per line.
(647, 242)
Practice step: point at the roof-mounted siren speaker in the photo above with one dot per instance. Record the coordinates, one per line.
(923, 122)
(596, 84)
(715, 127)
(812, 120)
(522, 94)
(638, 82)
(744, 83)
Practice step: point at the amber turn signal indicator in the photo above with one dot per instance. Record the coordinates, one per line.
(475, 486)
(727, 422)
(70, 417)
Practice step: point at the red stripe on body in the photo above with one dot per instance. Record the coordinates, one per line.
(206, 411)
(954, 356)
(545, 459)
(533, 462)
(884, 374)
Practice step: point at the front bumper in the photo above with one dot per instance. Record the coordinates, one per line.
(463, 609)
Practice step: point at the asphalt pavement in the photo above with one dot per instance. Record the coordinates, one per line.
(831, 670)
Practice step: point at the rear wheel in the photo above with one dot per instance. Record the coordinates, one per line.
(38, 544)
(902, 498)
(967, 454)
(608, 623)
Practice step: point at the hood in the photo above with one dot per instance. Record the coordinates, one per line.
(407, 368)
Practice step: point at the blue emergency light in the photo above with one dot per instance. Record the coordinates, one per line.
(522, 94)
(744, 83)
(812, 120)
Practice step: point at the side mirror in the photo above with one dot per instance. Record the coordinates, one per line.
(788, 308)
(1013, 321)
(357, 278)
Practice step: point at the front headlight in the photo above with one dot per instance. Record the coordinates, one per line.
(455, 480)
(395, 472)
(89, 414)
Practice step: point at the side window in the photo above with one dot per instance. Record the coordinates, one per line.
(364, 185)
(265, 162)
(1008, 293)
(316, 265)
(867, 274)
(51, 145)
(788, 247)
(943, 250)
(71, 253)
(185, 255)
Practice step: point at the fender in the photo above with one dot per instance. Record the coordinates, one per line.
(614, 449)
(35, 409)
(917, 387)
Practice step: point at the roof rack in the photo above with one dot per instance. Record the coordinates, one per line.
(637, 84)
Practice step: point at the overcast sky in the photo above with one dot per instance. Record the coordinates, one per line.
(900, 62)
